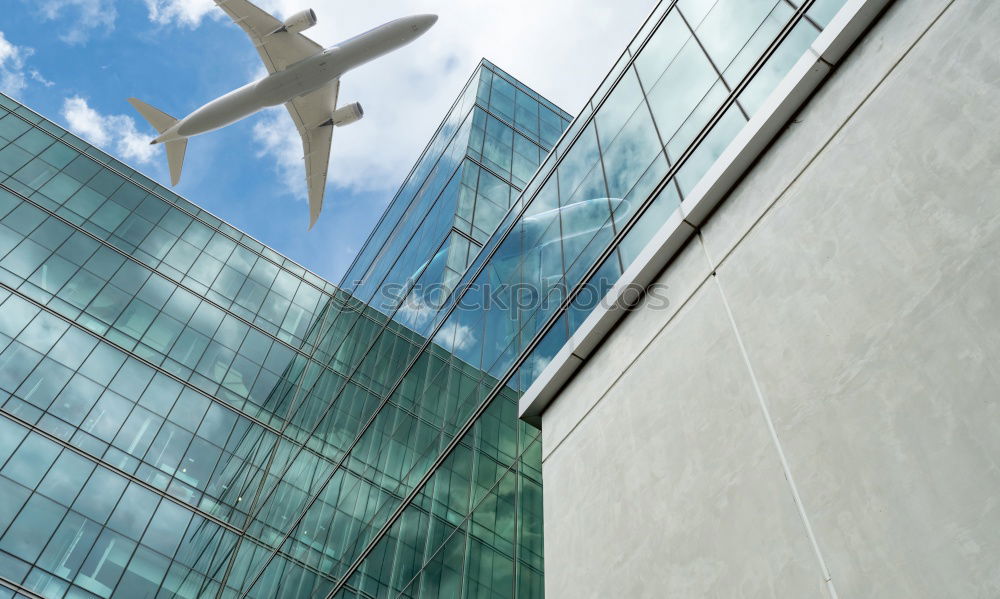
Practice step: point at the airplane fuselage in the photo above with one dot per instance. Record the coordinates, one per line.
(303, 77)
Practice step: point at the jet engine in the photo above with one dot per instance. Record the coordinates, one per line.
(345, 115)
(300, 21)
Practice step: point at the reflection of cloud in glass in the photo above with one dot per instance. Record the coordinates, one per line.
(430, 265)
(579, 219)
(414, 311)
(423, 292)
(545, 234)
(536, 364)
(454, 336)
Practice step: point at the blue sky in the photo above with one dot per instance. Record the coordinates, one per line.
(75, 61)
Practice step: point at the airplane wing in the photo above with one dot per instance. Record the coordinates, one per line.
(311, 114)
(278, 50)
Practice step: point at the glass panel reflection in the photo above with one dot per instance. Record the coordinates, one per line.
(185, 413)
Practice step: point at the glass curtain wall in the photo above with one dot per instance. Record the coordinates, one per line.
(465, 183)
(693, 76)
(186, 413)
(147, 353)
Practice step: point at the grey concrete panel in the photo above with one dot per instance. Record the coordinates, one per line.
(877, 52)
(867, 300)
(671, 487)
(684, 275)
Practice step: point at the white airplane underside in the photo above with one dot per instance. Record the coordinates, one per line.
(301, 75)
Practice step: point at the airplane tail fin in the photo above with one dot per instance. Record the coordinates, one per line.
(162, 121)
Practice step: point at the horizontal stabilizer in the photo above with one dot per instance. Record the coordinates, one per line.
(160, 120)
(175, 156)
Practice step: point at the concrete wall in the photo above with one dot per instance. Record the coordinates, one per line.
(827, 403)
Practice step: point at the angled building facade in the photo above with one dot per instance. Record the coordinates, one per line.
(187, 413)
(137, 425)
(732, 292)
(464, 515)
(790, 390)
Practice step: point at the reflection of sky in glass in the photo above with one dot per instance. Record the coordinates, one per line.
(644, 129)
(588, 217)
(274, 374)
(667, 114)
(435, 263)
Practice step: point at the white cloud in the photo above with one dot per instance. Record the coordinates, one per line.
(38, 77)
(13, 79)
(85, 17)
(114, 132)
(279, 140)
(562, 49)
(183, 12)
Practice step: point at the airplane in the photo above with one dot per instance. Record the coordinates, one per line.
(302, 75)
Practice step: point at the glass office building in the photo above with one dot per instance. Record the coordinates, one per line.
(686, 85)
(186, 413)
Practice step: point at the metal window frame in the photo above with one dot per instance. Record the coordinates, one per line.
(823, 55)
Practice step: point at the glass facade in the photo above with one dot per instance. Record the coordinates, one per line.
(478, 524)
(186, 413)
(692, 77)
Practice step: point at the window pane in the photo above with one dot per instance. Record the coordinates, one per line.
(167, 527)
(133, 511)
(661, 49)
(729, 25)
(31, 530)
(681, 87)
(10, 437)
(14, 496)
(69, 546)
(100, 495)
(66, 477)
(105, 563)
(628, 156)
(31, 460)
(142, 579)
(76, 399)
